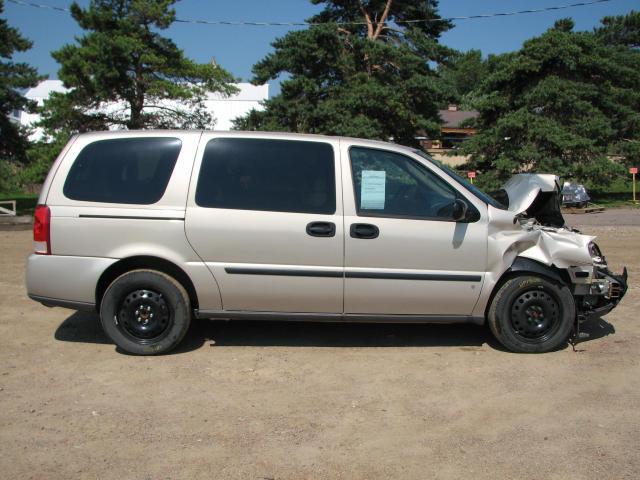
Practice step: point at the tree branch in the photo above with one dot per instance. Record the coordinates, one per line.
(383, 19)
(181, 113)
(368, 19)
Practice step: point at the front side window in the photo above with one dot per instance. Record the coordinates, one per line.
(123, 170)
(488, 199)
(269, 175)
(389, 184)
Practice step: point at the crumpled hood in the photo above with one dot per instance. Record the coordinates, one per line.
(536, 196)
(552, 246)
(523, 189)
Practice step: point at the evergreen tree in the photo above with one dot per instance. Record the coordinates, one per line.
(13, 78)
(462, 74)
(565, 103)
(363, 69)
(621, 30)
(122, 59)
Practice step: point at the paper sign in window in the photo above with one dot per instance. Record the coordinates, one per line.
(372, 189)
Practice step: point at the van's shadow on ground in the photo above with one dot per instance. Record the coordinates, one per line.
(85, 328)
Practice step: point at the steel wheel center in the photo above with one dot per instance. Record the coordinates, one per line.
(535, 315)
(144, 315)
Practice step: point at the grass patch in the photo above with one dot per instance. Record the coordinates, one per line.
(615, 203)
(614, 199)
(25, 202)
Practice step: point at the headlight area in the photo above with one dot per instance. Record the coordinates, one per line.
(596, 289)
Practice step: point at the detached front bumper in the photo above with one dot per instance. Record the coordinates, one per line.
(606, 291)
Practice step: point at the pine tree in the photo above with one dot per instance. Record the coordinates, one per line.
(566, 103)
(122, 59)
(363, 69)
(14, 77)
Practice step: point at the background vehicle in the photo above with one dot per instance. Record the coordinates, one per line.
(152, 228)
(574, 195)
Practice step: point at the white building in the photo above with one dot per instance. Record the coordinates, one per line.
(224, 110)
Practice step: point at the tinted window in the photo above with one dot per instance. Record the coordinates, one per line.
(124, 170)
(390, 184)
(494, 202)
(273, 175)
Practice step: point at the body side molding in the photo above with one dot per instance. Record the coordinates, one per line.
(440, 277)
(336, 317)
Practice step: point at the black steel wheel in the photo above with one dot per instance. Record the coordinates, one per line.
(535, 315)
(145, 312)
(145, 316)
(532, 314)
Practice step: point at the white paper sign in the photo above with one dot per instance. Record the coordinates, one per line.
(372, 189)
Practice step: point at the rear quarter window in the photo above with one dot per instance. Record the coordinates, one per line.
(124, 170)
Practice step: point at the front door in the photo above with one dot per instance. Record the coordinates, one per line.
(403, 253)
(265, 215)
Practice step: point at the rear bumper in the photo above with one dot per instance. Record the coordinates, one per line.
(56, 302)
(65, 281)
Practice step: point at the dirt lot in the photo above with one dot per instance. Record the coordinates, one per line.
(293, 401)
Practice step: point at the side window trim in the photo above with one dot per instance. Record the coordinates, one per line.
(358, 211)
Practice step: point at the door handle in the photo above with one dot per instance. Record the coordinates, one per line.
(364, 230)
(321, 229)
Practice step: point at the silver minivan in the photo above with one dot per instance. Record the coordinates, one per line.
(151, 229)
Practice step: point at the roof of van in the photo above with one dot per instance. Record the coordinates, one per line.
(239, 133)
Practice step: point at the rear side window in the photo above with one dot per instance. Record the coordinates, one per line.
(123, 170)
(270, 175)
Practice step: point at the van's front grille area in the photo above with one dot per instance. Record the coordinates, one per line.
(615, 290)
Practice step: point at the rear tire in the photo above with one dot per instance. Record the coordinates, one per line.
(530, 314)
(145, 312)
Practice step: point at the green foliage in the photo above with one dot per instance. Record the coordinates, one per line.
(8, 175)
(621, 30)
(123, 58)
(40, 158)
(462, 74)
(25, 202)
(371, 80)
(562, 104)
(13, 77)
(31, 172)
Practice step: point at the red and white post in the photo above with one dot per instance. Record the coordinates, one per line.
(633, 171)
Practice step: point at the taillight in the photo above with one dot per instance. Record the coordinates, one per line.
(42, 230)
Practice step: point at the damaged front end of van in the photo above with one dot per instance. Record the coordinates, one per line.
(531, 234)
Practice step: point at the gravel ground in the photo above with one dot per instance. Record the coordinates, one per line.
(611, 217)
(291, 401)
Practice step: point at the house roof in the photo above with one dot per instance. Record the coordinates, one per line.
(43, 89)
(453, 118)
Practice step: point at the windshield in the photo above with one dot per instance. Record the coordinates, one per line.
(462, 181)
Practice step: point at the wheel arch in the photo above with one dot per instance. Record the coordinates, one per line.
(523, 265)
(527, 265)
(145, 262)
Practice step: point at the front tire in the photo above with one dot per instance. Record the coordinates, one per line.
(145, 312)
(530, 314)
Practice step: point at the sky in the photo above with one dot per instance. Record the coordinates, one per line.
(237, 48)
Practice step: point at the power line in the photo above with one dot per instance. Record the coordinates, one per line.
(38, 5)
(307, 24)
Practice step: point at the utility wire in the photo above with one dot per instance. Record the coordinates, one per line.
(307, 24)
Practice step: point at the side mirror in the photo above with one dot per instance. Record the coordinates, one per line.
(459, 210)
